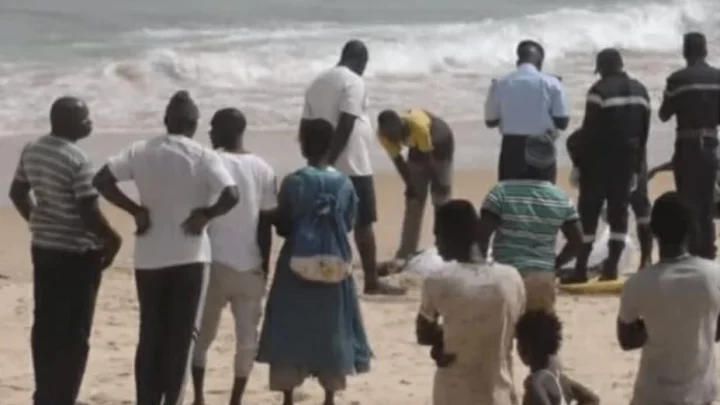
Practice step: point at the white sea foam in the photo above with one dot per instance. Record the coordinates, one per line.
(445, 67)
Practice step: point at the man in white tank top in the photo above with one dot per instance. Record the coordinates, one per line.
(240, 243)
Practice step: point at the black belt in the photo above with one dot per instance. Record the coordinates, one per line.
(697, 133)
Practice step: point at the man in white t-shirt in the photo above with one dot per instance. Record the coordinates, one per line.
(338, 95)
(670, 310)
(479, 305)
(178, 182)
(241, 242)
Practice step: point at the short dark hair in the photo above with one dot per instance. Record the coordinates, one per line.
(694, 45)
(540, 331)
(354, 49)
(526, 47)
(315, 138)
(389, 117)
(457, 218)
(227, 126)
(63, 112)
(181, 112)
(670, 218)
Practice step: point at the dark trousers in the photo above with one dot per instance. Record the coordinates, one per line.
(65, 290)
(596, 188)
(511, 164)
(171, 302)
(695, 167)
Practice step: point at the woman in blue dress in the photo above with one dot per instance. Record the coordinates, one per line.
(312, 327)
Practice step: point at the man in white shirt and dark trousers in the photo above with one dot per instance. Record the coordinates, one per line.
(178, 182)
(526, 102)
(338, 96)
(241, 242)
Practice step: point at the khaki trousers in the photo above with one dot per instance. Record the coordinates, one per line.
(243, 291)
(540, 290)
(415, 208)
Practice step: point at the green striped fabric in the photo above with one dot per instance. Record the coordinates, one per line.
(532, 213)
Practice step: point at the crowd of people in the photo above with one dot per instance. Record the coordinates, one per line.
(204, 229)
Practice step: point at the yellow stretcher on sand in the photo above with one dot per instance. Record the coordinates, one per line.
(594, 287)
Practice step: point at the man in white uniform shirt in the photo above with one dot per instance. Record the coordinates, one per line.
(338, 95)
(241, 241)
(177, 180)
(526, 102)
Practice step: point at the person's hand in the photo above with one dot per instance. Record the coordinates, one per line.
(196, 222)
(110, 249)
(411, 192)
(441, 358)
(441, 188)
(142, 221)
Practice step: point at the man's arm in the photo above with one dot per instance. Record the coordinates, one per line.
(645, 131)
(667, 108)
(20, 197)
(558, 104)
(229, 197)
(492, 107)
(105, 182)
(345, 126)
(487, 225)
(631, 333)
(267, 218)
(264, 238)
(403, 170)
(95, 220)
(20, 190)
(667, 166)
(87, 198)
(351, 107)
(490, 218)
(573, 234)
(592, 121)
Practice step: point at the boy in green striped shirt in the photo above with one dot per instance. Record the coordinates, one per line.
(525, 215)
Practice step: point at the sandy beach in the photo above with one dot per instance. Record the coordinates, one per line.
(402, 372)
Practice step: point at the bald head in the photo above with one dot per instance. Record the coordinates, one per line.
(354, 56)
(70, 118)
(181, 114)
(529, 51)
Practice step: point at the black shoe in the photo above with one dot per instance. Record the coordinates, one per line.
(574, 279)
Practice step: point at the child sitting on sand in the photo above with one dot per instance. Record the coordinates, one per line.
(539, 334)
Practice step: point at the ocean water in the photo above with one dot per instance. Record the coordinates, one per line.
(127, 57)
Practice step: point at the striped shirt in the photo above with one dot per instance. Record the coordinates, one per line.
(59, 174)
(531, 213)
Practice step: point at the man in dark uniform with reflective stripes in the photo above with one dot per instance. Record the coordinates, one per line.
(692, 95)
(614, 138)
(639, 198)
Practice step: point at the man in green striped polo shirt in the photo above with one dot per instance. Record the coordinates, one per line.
(525, 215)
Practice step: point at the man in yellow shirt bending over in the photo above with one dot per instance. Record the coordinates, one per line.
(428, 167)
